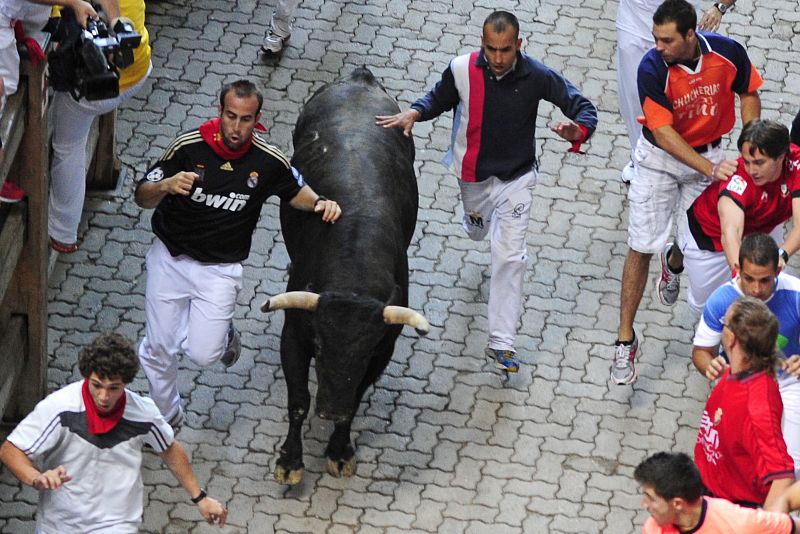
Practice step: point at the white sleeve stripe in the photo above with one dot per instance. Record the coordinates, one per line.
(49, 429)
(160, 439)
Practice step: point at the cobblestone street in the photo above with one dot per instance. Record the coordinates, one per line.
(444, 442)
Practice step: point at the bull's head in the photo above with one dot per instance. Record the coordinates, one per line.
(353, 340)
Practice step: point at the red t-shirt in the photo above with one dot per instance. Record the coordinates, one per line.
(764, 207)
(740, 448)
(722, 517)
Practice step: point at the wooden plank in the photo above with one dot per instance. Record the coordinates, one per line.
(27, 294)
(12, 347)
(12, 237)
(105, 166)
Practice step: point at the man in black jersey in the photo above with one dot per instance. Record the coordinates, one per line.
(207, 190)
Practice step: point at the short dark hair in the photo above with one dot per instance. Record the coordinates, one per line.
(499, 21)
(756, 328)
(759, 249)
(243, 89)
(771, 138)
(671, 475)
(110, 355)
(680, 12)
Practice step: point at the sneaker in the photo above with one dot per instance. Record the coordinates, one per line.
(273, 43)
(623, 371)
(176, 421)
(627, 173)
(234, 348)
(669, 286)
(503, 359)
(11, 193)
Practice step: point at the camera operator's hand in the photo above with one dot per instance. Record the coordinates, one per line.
(179, 184)
(83, 10)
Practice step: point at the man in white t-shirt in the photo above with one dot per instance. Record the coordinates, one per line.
(87, 440)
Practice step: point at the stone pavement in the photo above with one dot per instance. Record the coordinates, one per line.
(445, 443)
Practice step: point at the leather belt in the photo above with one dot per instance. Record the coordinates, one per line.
(699, 149)
(705, 148)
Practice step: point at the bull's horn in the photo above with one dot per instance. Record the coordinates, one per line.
(297, 300)
(402, 315)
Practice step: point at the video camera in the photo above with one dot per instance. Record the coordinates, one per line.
(88, 60)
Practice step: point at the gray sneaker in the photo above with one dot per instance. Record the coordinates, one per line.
(233, 349)
(273, 43)
(176, 421)
(669, 285)
(623, 371)
(503, 359)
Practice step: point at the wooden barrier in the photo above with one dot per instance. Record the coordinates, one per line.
(24, 249)
(25, 255)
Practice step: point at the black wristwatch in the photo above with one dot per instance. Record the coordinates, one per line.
(723, 8)
(783, 254)
(319, 199)
(200, 497)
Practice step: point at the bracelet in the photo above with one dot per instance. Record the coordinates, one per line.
(320, 198)
(714, 171)
(783, 254)
(200, 497)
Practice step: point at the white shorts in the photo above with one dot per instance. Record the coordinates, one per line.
(660, 186)
(706, 270)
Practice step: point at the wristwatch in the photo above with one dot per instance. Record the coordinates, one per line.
(783, 254)
(722, 8)
(200, 497)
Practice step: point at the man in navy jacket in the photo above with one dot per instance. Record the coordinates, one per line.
(495, 92)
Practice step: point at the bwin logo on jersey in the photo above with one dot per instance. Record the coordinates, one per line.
(232, 202)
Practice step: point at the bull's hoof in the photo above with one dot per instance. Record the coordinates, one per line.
(342, 468)
(292, 477)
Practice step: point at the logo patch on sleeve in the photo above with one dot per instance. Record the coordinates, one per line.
(156, 175)
(736, 185)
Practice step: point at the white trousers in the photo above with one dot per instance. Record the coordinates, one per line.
(9, 59)
(501, 210)
(281, 23)
(188, 307)
(790, 425)
(630, 50)
(707, 270)
(71, 124)
(661, 187)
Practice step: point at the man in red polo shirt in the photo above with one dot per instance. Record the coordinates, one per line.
(740, 450)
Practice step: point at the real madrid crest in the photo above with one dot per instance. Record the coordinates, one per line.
(252, 180)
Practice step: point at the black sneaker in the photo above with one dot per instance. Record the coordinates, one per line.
(234, 348)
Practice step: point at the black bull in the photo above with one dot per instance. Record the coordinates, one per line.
(348, 284)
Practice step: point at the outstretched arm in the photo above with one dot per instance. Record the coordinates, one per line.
(177, 461)
(307, 200)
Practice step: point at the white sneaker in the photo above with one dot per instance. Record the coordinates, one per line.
(273, 43)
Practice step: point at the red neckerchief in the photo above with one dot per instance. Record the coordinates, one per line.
(209, 130)
(101, 423)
